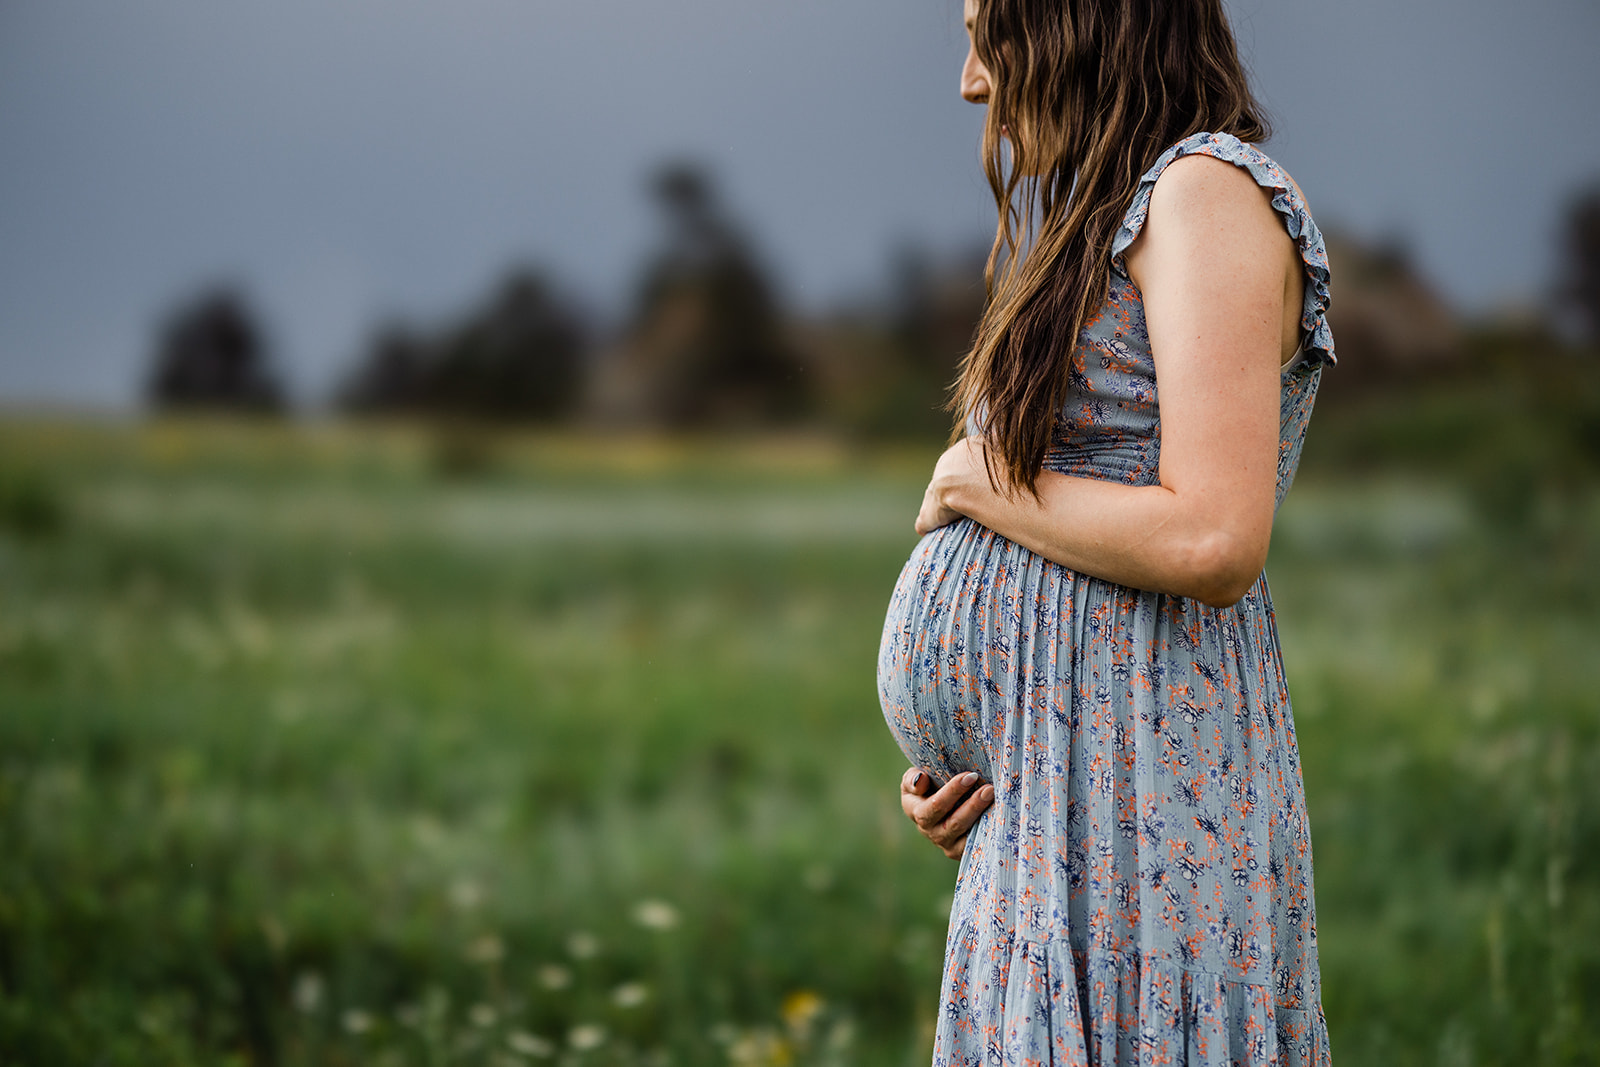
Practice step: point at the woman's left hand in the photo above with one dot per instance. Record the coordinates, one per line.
(961, 467)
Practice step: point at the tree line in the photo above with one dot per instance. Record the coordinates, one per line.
(707, 343)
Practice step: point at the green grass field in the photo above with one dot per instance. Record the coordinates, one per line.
(343, 746)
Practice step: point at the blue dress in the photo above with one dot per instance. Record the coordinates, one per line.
(1140, 892)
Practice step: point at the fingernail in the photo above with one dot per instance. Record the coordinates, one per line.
(969, 778)
(987, 792)
(916, 783)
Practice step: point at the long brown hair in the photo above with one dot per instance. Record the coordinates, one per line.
(1091, 92)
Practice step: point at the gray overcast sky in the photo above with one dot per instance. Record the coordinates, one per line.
(350, 159)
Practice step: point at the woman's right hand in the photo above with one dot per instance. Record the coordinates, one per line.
(962, 468)
(944, 817)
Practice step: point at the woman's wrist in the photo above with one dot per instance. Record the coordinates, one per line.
(967, 488)
(954, 493)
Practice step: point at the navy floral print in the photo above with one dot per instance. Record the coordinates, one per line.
(1140, 892)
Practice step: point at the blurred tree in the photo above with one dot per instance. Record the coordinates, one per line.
(884, 368)
(211, 355)
(937, 304)
(1390, 325)
(707, 344)
(520, 356)
(393, 377)
(1580, 288)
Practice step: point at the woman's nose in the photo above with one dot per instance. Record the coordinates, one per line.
(974, 80)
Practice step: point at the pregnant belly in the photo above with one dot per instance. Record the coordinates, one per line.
(974, 619)
(988, 648)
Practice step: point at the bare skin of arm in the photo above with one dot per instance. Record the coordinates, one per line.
(1220, 279)
(1222, 285)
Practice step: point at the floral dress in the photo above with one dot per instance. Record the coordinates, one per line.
(1140, 891)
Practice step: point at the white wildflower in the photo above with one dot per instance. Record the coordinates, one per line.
(630, 994)
(655, 915)
(357, 1021)
(526, 1044)
(308, 992)
(759, 1048)
(482, 1015)
(466, 894)
(586, 1037)
(554, 976)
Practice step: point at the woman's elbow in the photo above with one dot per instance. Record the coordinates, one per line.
(1221, 567)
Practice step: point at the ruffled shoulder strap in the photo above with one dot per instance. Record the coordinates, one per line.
(1317, 346)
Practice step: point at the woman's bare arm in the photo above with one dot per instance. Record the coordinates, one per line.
(1217, 271)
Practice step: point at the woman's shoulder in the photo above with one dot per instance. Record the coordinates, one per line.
(1184, 163)
(1195, 165)
(1202, 183)
(1211, 171)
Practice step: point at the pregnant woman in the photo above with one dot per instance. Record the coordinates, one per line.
(1084, 623)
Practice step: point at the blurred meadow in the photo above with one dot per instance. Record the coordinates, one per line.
(321, 746)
